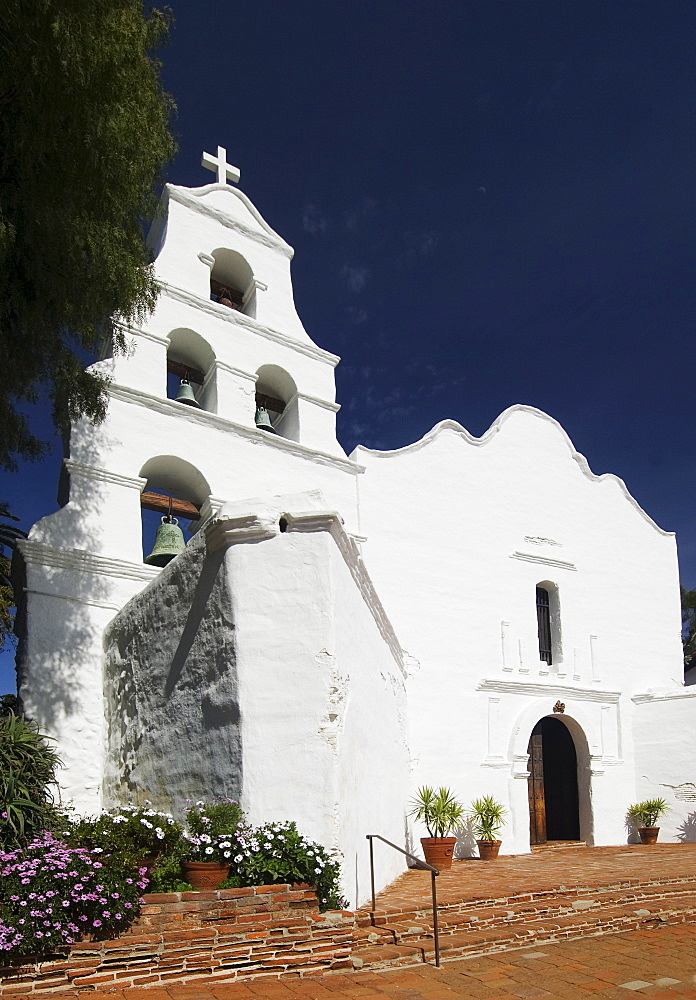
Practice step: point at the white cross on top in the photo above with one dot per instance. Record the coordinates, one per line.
(225, 171)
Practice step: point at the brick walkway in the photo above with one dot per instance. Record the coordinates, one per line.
(659, 963)
(524, 909)
(552, 894)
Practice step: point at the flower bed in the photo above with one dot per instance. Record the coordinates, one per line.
(198, 938)
(52, 894)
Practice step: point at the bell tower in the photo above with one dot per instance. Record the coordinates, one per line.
(221, 396)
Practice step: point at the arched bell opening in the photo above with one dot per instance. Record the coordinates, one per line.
(171, 504)
(191, 371)
(558, 782)
(276, 402)
(232, 281)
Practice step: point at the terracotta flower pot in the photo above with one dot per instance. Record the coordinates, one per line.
(204, 874)
(488, 849)
(438, 851)
(648, 834)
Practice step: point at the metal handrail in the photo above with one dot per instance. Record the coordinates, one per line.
(421, 864)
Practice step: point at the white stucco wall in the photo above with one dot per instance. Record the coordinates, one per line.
(321, 690)
(665, 741)
(459, 533)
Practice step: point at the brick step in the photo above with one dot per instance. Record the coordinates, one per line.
(476, 940)
(530, 901)
(404, 932)
(391, 956)
(451, 922)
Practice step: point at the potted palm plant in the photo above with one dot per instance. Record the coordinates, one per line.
(441, 813)
(487, 817)
(644, 816)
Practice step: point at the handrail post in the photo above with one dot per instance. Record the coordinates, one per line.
(435, 929)
(372, 873)
(421, 864)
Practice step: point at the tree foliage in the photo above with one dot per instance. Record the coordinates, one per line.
(688, 607)
(9, 533)
(84, 138)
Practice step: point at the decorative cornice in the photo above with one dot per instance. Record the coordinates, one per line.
(39, 554)
(223, 366)
(534, 690)
(648, 697)
(138, 331)
(191, 198)
(495, 428)
(330, 521)
(223, 532)
(103, 476)
(207, 419)
(74, 600)
(544, 560)
(241, 319)
(324, 403)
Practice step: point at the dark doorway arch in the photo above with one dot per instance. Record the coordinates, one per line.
(553, 783)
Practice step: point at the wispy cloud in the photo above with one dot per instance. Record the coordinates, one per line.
(357, 316)
(313, 222)
(421, 244)
(355, 275)
(355, 216)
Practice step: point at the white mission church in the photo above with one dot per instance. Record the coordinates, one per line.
(341, 629)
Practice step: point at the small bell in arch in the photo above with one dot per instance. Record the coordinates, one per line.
(185, 395)
(169, 542)
(263, 420)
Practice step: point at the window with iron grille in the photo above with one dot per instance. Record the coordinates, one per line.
(544, 624)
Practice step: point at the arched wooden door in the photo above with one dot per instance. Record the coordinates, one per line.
(552, 783)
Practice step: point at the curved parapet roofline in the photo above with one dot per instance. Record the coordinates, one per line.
(495, 428)
(192, 197)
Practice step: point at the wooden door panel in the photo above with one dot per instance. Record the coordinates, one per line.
(535, 787)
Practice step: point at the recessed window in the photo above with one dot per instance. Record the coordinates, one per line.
(543, 607)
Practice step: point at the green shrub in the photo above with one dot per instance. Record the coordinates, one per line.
(166, 875)
(277, 852)
(135, 832)
(28, 766)
(214, 818)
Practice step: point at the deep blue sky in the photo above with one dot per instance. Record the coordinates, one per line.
(490, 203)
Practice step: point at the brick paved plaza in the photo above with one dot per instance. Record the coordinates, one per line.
(562, 922)
(660, 963)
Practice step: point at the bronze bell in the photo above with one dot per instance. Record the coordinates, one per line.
(263, 420)
(169, 542)
(185, 395)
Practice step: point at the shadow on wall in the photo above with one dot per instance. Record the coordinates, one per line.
(194, 619)
(56, 680)
(687, 830)
(170, 680)
(466, 846)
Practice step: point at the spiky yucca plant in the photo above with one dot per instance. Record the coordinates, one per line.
(487, 817)
(648, 812)
(439, 810)
(28, 766)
